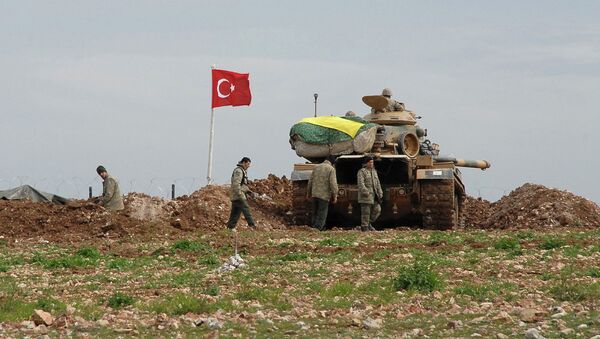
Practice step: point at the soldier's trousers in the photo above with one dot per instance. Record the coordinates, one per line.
(238, 207)
(319, 213)
(369, 213)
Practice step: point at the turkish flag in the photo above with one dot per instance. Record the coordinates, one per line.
(230, 88)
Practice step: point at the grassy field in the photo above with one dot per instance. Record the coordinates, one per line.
(310, 284)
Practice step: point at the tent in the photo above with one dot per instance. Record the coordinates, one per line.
(30, 193)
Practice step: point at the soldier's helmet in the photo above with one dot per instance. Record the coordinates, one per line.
(386, 92)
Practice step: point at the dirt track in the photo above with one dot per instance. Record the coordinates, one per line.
(529, 206)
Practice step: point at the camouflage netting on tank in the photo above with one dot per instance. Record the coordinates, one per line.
(314, 134)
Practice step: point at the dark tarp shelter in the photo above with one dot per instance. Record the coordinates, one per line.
(30, 193)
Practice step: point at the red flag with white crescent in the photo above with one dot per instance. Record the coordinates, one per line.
(230, 88)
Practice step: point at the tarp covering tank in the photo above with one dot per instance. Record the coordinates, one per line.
(321, 136)
(27, 192)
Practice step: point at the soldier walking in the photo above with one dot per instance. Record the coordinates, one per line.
(111, 198)
(239, 189)
(370, 194)
(322, 187)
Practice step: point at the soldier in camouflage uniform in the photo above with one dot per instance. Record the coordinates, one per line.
(111, 198)
(393, 105)
(239, 189)
(322, 187)
(370, 194)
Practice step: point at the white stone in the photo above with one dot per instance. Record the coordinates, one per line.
(567, 331)
(533, 333)
(102, 322)
(372, 323)
(70, 310)
(40, 317)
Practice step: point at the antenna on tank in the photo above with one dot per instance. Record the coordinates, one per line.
(316, 95)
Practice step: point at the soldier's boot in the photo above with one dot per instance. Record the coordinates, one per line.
(364, 228)
(371, 228)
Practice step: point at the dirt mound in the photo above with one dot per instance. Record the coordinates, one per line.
(529, 206)
(144, 207)
(206, 209)
(534, 206)
(273, 195)
(78, 219)
(476, 212)
(209, 207)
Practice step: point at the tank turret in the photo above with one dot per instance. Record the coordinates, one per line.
(420, 186)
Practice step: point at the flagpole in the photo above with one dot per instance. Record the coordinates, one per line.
(210, 141)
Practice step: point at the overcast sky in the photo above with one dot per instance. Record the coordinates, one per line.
(127, 84)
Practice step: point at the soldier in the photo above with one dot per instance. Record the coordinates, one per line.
(111, 198)
(370, 195)
(393, 105)
(322, 187)
(239, 189)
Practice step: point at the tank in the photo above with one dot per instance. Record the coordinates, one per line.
(420, 186)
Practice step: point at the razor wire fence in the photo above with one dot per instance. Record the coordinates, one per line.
(163, 187)
(80, 187)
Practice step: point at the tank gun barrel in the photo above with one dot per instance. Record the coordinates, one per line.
(482, 164)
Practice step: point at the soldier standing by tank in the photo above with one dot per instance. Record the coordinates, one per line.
(370, 194)
(322, 187)
(393, 105)
(239, 189)
(111, 198)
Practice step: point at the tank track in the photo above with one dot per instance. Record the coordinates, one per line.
(301, 208)
(440, 205)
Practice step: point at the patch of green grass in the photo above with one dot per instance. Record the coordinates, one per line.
(89, 252)
(507, 244)
(15, 309)
(571, 251)
(212, 290)
(381, 254)
(378, 292)
(7, 262)
(339, 295)
(189, 246)
(437, 238)
(547, 276)
(525, 235)
(119, 263)
(293, 256)
(593, 272)
(91, 312)
(339, 289)
(317, 271)
(12, 306)
(418, 277)
(567, 290)
(184, 279)
(51, 305)
(180, 303)
(551, 242)
(84, 257)
(315, 287)
(265, 296)
(341, 255)
(211, 261)
(119, 300)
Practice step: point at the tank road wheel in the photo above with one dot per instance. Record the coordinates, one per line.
(439, 205)
(301, 208)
